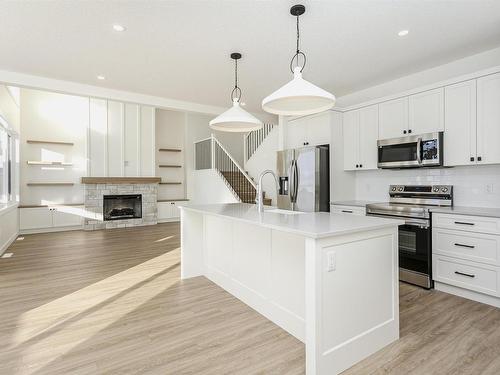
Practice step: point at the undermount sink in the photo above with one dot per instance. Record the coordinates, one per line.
(285, 212)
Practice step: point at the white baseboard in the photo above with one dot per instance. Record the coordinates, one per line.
(6, 245)
(469, 294)
(169, 220)
(50, 230)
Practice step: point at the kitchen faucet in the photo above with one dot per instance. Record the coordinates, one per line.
(259, 199)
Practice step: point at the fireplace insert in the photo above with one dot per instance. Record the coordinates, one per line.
(121, 207)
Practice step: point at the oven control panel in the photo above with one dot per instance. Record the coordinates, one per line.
(420, 190)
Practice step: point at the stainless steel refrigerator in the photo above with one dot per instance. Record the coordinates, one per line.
(304, 179)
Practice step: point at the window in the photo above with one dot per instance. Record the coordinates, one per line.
(9, 164)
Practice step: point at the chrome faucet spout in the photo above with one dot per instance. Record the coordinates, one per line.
(259, 199)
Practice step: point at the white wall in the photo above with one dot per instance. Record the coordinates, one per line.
(473, 185)
(9, 227)
(265, 158)
(53, 117)
(197, 129)
(208, 187)
(9, 109)
(467, 65)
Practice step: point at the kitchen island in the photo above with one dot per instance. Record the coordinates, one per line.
(330, 280)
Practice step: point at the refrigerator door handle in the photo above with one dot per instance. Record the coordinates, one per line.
(290, 182)
(294, 177)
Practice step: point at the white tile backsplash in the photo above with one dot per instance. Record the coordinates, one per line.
(473, 185)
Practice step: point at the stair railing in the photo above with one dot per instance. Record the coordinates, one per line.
(211, 154)
(255, 138)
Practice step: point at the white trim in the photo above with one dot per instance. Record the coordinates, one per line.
(74, 88)
(436, 85)
(50, 230)
(7, 207)
(9, 242)
(469, 294)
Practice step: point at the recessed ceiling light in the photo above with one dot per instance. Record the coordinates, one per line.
(403, 33)
(117, 27)
(101, 77)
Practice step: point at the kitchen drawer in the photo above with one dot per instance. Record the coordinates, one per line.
(353, 210)
(477, 224)
(465, 274)
(478, 247)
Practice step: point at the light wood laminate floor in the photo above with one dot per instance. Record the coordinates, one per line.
(111, 302)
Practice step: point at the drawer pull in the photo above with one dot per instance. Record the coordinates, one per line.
(465, 274)
(467, 246)
(463, 223)
(347, 211)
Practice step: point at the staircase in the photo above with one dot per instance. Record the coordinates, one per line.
(254, 139)
(211, 154)
(246, 193)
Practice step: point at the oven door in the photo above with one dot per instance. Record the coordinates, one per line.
(415, 254)
(415, 264)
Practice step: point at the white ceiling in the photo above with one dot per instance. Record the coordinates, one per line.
(180, 49)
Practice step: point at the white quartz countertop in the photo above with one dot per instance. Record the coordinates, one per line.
(310, 224)
(472, 211)
(353, 203)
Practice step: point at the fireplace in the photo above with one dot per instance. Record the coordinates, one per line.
(122, 207)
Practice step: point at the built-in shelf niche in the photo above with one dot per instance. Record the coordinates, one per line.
(50, 184)
(33, 141)
(53, 163)
(169, 150)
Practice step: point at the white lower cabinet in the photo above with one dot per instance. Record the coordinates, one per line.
(168, 211)
(50, 218)
(350, 210)
(466, 256)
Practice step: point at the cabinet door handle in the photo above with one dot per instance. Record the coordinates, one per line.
(472, 158)
(361, 165)
(463, 223)
(479, 158)
(404, 131)
(409, 131)
(357, 165)
(347, 211)
(467, 246)
(465, 274)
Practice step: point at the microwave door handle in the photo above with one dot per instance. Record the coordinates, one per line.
(419, 150)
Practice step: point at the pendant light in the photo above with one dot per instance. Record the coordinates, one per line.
(298, 97)
(235, 119)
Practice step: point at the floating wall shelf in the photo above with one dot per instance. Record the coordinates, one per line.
(173, 200)
(170, 183)
(169, 166)
(50, 184)
(50, 142)
(170, 150)
(31, 162)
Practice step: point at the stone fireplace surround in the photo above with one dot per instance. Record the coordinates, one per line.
(97, 187)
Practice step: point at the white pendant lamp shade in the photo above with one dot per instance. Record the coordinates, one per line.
(298, 98)
(235, 119)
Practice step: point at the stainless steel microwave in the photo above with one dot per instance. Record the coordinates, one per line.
(424, 150)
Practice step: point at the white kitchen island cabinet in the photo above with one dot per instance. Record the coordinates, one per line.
(330, 280)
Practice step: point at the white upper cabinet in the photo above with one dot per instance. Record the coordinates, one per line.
(351, 140)
(360, 128)
(488, 119)
(309, 131)
(460, 124)
(426, 112)
(131, 142)
(393, 118)
(368, 136)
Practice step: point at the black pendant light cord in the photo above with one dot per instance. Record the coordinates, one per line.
(236, 93)
(298, 52)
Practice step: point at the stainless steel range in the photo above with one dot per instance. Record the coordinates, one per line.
(412, 203)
